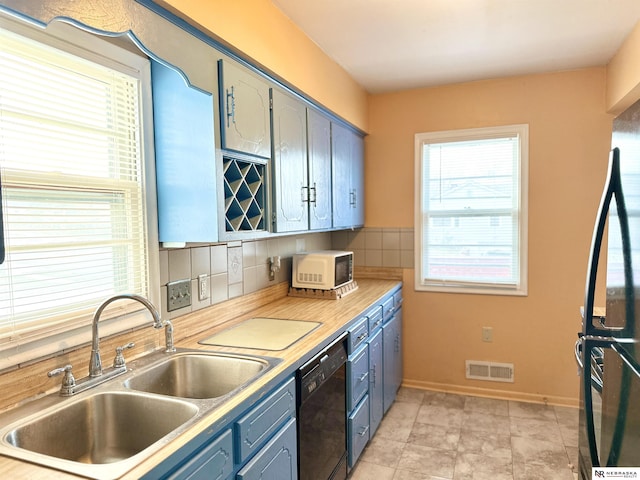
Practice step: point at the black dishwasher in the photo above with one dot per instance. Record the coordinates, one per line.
(322, 429)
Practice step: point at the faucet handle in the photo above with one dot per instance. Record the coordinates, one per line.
(68, 381)
(118, 361)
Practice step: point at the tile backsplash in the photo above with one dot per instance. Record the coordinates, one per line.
(237, 268)
(377, 247)
(232, 269)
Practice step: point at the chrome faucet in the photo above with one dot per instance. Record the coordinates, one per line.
(95, 363)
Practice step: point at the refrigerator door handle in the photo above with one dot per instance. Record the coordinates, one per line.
(612, 184)
(612, 190)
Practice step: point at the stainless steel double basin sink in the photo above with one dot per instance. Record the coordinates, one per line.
(104, 432)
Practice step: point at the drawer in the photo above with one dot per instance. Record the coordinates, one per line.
(256, 427)
(358, 334)
(213, 461)
(374, 317)
(357, 377)
(397, 299)
(387, 308)
(278, 459)
(358, 431)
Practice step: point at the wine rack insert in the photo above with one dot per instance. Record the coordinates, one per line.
(244, 195)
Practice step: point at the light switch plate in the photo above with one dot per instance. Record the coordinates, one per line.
(178, 294)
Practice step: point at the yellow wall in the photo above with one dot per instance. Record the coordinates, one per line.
(569, 143)
(264, 33)
(623, 74)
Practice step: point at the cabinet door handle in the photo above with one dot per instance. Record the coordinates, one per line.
(363, 431)
(373, 375)
(352, 198)
(361, 337)
(363, 376)
(304, 194)
(231, 107)
(313, 194)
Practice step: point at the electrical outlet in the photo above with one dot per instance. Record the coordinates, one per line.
(487, 334)
(178, 294)
(203, 287)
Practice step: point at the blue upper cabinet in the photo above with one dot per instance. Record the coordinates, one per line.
(347, 154)
(185, 159)
(290, 173)
(319, 151)
(245, 110)
(301, 166)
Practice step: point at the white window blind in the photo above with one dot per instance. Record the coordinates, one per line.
(471, 233)
(73, 199)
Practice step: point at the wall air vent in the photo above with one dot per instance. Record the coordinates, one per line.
(495, 372)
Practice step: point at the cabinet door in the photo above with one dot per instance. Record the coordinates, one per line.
(257, 425)
(341, 176)
(397, 367)
(347, 176)
(291, 191)
(319, 153)
(278, 460)
(376, 385)
(357, 431)
(357, 180)
(392, 358)
(214, 462)
(185, 159)
(244, 110)
(357, 376)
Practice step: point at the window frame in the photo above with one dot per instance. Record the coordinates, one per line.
(453, 286)
(55, 335)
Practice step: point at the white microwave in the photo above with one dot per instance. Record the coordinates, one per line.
(322, 270)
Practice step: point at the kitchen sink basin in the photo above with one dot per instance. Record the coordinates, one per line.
(198, 375)
(103, 429)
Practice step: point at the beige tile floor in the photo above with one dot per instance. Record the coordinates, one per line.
(441, 436)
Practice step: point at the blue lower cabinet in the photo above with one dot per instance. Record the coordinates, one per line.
(214, 462)
(358, 335)
(376, 384)
(277, 460)
(262, 421)
(392, 358)
(357, 376)
(358, 431)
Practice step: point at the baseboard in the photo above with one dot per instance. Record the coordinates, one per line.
(492, 393)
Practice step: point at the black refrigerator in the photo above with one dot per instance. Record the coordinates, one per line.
(607, 349)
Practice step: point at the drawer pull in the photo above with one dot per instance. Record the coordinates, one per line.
(363, 376)
(363, 431)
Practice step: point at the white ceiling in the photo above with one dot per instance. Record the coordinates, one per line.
(389, 45)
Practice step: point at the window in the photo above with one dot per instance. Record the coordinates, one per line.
(471, 210)
(72, 150)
